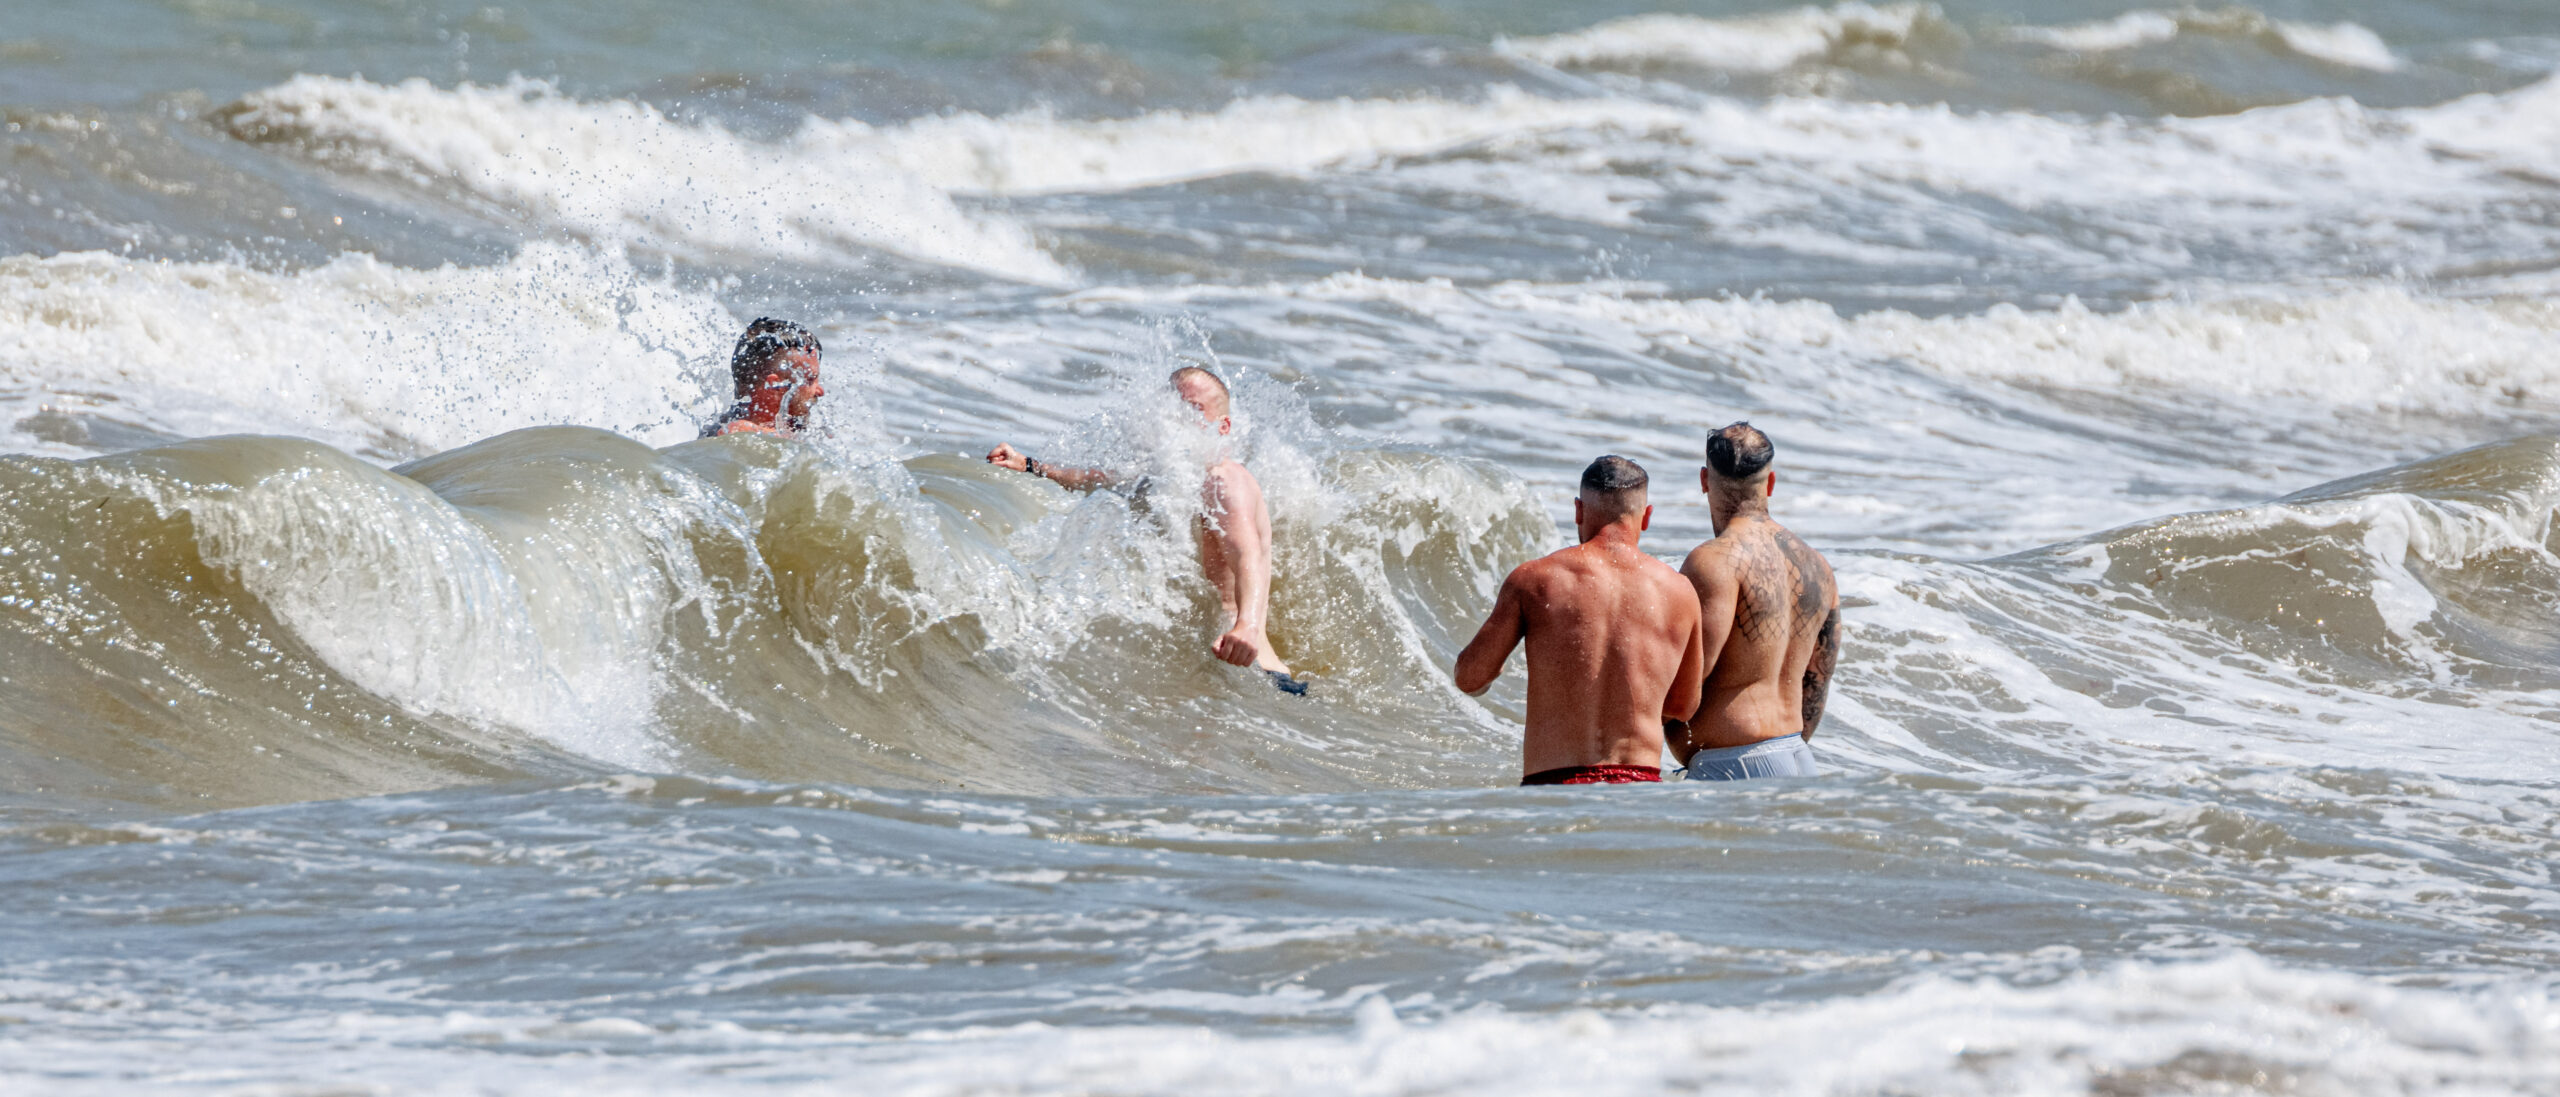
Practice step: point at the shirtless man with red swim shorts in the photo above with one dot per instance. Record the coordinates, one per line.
(1614, 644)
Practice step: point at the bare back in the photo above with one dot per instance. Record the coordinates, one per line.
(1614, 648)
(1771, 611)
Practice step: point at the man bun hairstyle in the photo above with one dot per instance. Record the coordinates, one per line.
(764, 341)
(1740, 451)
(1615, 482)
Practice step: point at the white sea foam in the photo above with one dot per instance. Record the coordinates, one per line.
(1865, 181)
(2236, 1023)
(2293, 154)
(2376, 348)
(1763, 43)
(2130, 30)
(1035, 153)
(2298, 178)
(2342, 43)
(417, 603)
(357, 352)
(620, 170)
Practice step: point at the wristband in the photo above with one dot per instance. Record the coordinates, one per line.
(1031, 464)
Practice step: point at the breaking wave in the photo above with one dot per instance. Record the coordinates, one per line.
(2342, 43)
(105, 352)
(2387, 349)
(2140, 194)
(1748, 44)
(563, 597)
(622, 171)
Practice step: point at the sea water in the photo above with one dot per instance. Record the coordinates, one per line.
(395, 698)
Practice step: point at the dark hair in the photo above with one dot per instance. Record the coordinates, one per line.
(1740, 451)
(1614, 478)
(764, 341)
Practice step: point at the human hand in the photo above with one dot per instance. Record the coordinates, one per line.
(1005, 456)
(1236, 649)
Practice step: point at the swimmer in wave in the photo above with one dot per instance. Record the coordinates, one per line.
(1234, 531)
(774, 373)
(1772, 613)
(1615, 651)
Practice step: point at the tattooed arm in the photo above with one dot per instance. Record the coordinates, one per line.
(1817, 671)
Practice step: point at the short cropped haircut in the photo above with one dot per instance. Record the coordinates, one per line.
(764, 341)
(1740, 451)
(1226, 403)
(1616, 481)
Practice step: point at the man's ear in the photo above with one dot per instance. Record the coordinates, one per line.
(1703, 485)
(1577, 515)
(1647, 523)
(1771, 488)
(1226, 423)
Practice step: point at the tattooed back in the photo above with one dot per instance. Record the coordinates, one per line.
(1771, 616)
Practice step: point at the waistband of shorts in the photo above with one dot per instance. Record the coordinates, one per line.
(1594, 775)
(1784, 744)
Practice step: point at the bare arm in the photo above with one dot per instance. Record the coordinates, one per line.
(1817, 672)
(1482, 660)
(1688, 690)
(1718, 592)
(1236, 516)
(1077, 479)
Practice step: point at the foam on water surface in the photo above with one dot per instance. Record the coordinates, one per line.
(2138, 196)
(2168, 388)
(1752, 44)
(358, 352)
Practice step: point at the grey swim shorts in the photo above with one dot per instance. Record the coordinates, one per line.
(1784, 756)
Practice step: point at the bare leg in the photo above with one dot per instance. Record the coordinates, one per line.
(1235, 551)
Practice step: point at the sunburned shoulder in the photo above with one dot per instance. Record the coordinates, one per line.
(1537, 576)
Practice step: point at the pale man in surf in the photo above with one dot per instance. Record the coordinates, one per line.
(1234, 531)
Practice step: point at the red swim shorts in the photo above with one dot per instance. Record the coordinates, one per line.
(1594, 775)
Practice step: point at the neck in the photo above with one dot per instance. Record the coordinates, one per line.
(1723, 509)
(764, 406)
(1623, 532)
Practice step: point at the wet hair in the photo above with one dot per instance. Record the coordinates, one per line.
(1740, 451)
(1225, 402)
(762, 342)
(1615, 482)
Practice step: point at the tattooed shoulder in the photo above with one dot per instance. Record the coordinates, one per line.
(1812, 578)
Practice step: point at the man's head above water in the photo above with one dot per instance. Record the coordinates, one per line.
(774, 373)
(1206, 394)
(1737, 477)
(1738, 459)
(1614, 490)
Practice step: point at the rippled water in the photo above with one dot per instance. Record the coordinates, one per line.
(393, 698)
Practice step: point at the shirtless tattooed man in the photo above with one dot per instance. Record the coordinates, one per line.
(1615, 652)
(1234, 531)
(1772, 617)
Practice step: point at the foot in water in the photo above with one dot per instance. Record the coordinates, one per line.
(1289, 683)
